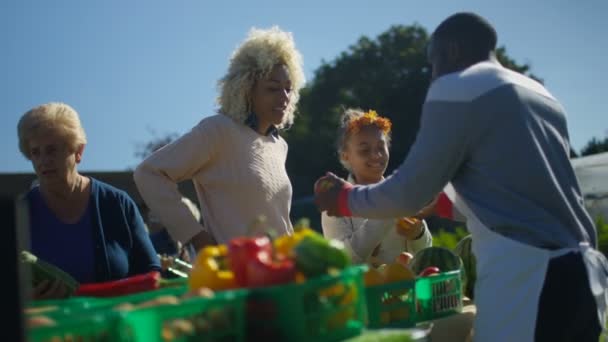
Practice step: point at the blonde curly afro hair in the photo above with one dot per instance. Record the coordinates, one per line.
(253, 60)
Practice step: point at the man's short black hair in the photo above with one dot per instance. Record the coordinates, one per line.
(473, 33)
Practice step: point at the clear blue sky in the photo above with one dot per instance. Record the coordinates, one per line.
(129, 67)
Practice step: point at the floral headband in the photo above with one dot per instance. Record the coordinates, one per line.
(368, 119)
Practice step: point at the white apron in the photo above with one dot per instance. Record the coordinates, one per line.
(510, 278)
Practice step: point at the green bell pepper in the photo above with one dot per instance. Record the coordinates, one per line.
(315, 255)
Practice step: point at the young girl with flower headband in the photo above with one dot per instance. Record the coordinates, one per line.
(363, 143)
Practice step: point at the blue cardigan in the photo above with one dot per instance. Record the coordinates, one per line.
(121, 242)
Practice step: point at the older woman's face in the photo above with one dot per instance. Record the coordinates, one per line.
(51, 156)
(270, 96)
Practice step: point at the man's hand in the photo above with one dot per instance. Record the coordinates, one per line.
(327, 189)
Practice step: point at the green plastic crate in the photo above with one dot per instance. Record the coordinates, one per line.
(221, 318)
(438, 296)
(406, 303)
(65, 308)
(90, 328)
(327, 308)
(88, 318)
(144, 296)
(224, 313)
(60, 308)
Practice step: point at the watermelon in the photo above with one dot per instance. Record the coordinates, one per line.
(463, 250)
(440, 257)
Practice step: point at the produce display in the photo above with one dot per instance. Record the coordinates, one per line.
(199, 315)
(414, 288)
(439, 257)
(154, 317)
(297, 278)
(300, 287)
(254, 262)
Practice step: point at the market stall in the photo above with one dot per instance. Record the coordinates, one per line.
(297, 288)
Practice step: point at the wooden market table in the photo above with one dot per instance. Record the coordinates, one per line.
(455, 328)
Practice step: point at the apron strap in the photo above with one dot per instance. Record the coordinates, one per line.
(597, 270)
(595, 262)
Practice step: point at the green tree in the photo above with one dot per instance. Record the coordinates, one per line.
(389, 74)
(595, 146)
(602, 235)
(143, 150)
(449, 240)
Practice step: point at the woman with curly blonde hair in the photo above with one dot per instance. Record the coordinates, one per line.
(236, 158)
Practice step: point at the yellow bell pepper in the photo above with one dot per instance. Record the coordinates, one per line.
(346, 305)
(373, 277)
(396, 272)
(211, 270)
(300, 278)
(285, 244)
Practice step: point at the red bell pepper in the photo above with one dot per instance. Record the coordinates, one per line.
(243, 249)
(134, 284)
(265, 270)
(429, 271)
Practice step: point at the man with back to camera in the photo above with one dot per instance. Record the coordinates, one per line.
(497, 141)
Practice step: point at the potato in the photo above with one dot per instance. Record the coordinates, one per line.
(200, 292)
(39, 321)
(124, 307)
(40, 309)
(161, 300)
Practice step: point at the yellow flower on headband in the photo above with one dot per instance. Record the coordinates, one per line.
(368, 119)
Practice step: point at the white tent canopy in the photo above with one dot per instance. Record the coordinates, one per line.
(592, 174)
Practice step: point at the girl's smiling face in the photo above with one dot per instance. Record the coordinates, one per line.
(366, 152)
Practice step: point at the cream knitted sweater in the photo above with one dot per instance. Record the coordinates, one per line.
(238, 175)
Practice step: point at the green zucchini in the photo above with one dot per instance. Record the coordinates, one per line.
(42, 270)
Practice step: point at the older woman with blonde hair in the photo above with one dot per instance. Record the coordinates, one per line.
(88, 228)
(235, 158)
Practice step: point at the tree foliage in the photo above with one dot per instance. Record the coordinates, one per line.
(595, 146)
(389, 74)
(143, 150)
